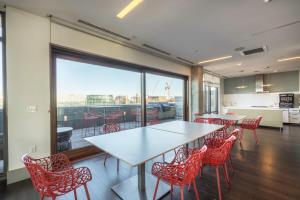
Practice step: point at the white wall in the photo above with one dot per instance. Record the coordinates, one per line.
(27, 84)
(28, 38)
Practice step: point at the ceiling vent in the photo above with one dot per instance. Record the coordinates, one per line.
(103, 29)
(254, 51)
(156, 49)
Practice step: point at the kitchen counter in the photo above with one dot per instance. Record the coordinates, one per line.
(272, 116)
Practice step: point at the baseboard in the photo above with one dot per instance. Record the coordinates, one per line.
(17, 175)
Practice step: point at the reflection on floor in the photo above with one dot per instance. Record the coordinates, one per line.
(266, 171)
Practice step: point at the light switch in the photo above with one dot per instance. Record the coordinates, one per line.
(31, 108)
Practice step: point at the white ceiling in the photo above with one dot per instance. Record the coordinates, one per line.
(195, 29)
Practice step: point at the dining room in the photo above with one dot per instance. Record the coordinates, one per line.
(140, 100)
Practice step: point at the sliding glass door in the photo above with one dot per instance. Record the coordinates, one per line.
(211, 96)
(164, 99)
(91, 93)
(91, 96)
(3, 136)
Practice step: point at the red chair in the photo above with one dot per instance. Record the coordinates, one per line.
(54, 176)
(89, 120)
(216, 157)
(230, 113)
(251, 124)
(111, 128)
(180, 173)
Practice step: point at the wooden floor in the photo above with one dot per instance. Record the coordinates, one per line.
(267, 171)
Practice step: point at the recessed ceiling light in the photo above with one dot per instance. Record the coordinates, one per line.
(128, 8)
(214, 59)
(239, 64)
(242, 71)
(267, 1)
(287, 59)
(256, 71)
(275, 71)
(268, 67)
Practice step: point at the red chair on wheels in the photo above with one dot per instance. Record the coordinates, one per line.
(55, 176)
(111, 128)
(251, 124)
(216, 157)
(180, 173)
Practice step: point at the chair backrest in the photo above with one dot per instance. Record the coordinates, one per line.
(111, 128)
(217, 121)
(37, 173)
(202, 120)
(230, 113)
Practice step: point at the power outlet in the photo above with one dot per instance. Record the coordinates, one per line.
(32, 149)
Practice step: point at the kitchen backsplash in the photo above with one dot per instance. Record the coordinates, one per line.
(256, 99)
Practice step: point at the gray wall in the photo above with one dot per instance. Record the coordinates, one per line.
(280, 82)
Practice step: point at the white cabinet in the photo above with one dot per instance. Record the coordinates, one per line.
(294, 115)
(285, 116)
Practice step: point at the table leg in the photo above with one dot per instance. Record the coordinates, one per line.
(140, 187)
(141, 177)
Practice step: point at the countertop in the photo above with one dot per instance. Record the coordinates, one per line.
(255, 108)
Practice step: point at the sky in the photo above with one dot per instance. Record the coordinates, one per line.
(81, 78)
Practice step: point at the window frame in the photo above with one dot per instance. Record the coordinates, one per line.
(4, 89)
(57, 51)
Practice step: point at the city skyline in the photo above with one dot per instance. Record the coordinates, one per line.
(81, 78)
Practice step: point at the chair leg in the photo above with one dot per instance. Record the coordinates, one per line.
(230, 162)
(182, 192)
(156, 187)
(255, 136)
(75, 194)
(171, 192)
(53, 197)
(196, 190)
(164, 157)
(218, 182)
(226, 175)
(42, 197)
(86, 192)
(241, 134)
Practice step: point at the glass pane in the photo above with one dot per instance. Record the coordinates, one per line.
(164, 99)
(91, 97)
(207, 99)
(214, 99)
(1, 114)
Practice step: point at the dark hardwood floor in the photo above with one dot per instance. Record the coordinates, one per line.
(270, 170)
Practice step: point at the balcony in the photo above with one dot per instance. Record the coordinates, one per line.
(76, 123)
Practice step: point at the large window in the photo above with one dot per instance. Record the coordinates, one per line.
(211, 93)
(3, 149)
(93, 94)
(164, 98)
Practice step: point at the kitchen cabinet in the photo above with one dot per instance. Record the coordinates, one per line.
(285, 115)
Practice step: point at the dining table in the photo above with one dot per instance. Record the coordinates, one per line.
(234, 117)
(140, 145)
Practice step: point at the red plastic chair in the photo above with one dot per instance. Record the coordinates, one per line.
(216, 157)
(55, 176)
(230, 113)
(111, 128)
(251, 124)
(180, 173)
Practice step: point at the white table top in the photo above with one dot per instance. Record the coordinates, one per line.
(191, 129)
(137, 146)
(226, 117)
